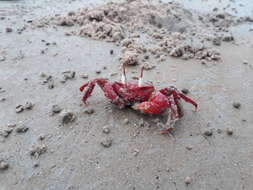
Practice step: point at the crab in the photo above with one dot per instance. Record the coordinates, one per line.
(141, 96)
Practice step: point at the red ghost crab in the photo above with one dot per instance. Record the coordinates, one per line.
(141, 96)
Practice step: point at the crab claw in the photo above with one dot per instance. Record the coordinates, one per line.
(155, 105)
(147, 107)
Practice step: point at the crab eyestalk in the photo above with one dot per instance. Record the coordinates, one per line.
(123, 77)
(141, 77)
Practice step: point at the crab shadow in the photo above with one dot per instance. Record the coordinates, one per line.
(148, 121)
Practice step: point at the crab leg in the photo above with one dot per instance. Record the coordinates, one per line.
(176, 99)
(168, 91)
(87, 94)
(189, 100)
(174, 106)
(112, 95)
(170, 123)
(107, 88)
(90, 87)
(172, 117)
(83, 86)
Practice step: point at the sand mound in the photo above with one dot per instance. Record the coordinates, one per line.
(158, 29)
